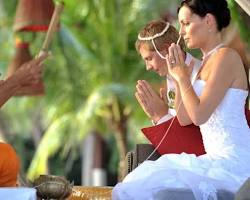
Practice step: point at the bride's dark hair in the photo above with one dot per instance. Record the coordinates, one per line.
(218, 8)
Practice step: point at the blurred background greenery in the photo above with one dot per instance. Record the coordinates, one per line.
(90, 83)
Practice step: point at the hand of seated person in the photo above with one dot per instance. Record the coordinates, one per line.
(30, 72)
(153, 104)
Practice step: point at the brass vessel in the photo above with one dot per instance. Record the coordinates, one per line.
(52, 187)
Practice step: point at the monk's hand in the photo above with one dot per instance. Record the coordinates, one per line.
(152, 104)
(31, 71)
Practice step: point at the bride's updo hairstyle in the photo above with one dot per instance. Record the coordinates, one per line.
(218, 8)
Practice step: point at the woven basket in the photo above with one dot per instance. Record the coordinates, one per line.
(90, 193)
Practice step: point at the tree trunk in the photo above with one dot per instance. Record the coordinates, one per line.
(119, 124)
(121, 142)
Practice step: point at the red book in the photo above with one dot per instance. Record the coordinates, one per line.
(179, 138)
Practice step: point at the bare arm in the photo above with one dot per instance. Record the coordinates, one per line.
(224, 65)
(29, 73)
(182, 114)
(7, 89)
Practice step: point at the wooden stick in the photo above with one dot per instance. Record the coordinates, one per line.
(52, 27)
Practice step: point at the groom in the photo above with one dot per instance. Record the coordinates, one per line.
(151, 43)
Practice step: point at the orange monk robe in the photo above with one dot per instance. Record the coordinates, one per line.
(9, 166)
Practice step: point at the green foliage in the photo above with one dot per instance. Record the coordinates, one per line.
(92, 71)
(237, 17)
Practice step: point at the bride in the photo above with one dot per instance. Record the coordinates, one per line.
(215, 102)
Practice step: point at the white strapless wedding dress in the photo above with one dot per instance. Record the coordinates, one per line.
(226, 138)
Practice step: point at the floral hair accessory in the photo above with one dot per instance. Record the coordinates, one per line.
(155, 36)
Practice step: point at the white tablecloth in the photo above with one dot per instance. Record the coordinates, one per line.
(19, 193)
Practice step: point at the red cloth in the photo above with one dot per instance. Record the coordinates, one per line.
(179, 138)
(9, 166)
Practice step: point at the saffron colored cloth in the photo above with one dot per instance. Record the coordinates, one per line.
(9, 166)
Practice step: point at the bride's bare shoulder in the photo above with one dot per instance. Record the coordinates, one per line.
(228, 54)
(227, 57)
